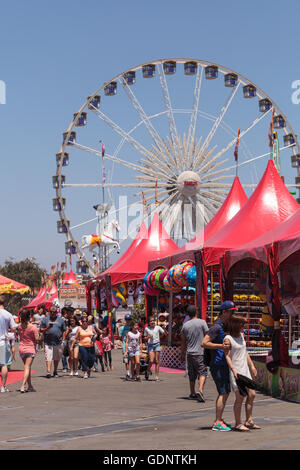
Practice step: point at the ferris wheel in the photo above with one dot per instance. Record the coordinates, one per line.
(170, 129)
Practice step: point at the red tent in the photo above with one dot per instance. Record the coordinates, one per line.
(72, 279)
(54, 290)
(235, 199)
(288, 229)
(158, 244)
(65, 278)
(39, 299)
(270, 204)
(141, 234)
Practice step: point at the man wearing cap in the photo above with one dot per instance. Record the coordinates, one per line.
(192, 334)
(123, 335)
(214, 341)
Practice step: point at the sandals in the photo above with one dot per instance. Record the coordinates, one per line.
(252, 426)
(241, 428)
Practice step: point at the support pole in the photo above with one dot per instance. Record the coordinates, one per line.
(170, 319)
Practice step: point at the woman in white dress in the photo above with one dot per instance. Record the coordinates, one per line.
(239, 362)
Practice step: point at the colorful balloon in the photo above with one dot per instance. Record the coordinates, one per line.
(191, 276)
(156, 279)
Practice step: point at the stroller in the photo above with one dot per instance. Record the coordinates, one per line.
(144, 363)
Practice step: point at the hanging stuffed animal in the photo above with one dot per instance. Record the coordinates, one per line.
(103, 299)
(117, 297)
(139, 292)
(130, 293)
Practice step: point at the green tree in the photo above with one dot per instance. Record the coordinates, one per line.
(28, 272)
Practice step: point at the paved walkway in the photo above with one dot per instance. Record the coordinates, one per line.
(105, 412)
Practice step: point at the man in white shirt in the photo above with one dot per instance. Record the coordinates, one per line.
(7, 325)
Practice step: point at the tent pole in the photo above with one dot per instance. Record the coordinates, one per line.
(170, 319)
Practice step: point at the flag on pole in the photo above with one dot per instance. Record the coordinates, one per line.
(144, 203)
(103, 167)
(236, 150)
(270, 135)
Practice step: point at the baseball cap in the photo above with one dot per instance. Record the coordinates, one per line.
(128, 316)
(228, 305)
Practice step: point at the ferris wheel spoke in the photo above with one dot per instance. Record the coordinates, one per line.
(164, 204)
(159, 192)
(167, 101)
(132, 166)
(242, 134)
(219, 178)
(199, 207)
(135, 144)
(219, 119)
(171, 215)
(222, 170)
(194, 115)
(138, 107)
(157, 166)
(202, 158)
(211, 205)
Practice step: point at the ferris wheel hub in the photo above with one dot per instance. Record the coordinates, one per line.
(188, 183)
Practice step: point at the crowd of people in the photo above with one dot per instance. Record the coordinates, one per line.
(73, 337)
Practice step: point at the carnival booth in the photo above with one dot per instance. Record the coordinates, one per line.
(273, 260)
(175, 276)
(122, 283)
(46, 296)
(269, 205)
(9, 286)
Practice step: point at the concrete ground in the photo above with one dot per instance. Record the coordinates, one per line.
(105, 412)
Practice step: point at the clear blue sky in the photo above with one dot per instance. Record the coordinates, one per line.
(54, 54)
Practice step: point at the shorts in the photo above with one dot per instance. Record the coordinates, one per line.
(220, 375)
(53, 353)
(25, 355)
(155, 347)
(5, 354)
(196, 367)
(134, 353)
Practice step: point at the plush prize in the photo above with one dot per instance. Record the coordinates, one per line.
(139, 292)
(130, 293)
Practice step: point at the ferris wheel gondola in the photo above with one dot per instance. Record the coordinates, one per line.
(180, 173)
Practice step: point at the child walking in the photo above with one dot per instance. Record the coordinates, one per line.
(107, 347)
(99, 354)
(133, 350)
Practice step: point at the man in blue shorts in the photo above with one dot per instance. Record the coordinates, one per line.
(123, 335)
(214, 341)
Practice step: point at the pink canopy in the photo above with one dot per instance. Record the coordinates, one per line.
(257, 249)
(235, 199)
(270, 204)
(72, 279)
(141, 234)
(157, 244)
(39, 299)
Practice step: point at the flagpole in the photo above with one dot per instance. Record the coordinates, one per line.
(236, 152)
